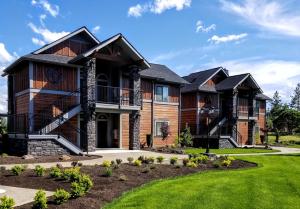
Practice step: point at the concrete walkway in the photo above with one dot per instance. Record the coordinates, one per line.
(21, 196)
(283, 151)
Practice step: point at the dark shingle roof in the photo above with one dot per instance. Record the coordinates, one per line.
(162, 73)
(262, 97)
(197, 80)
(231, 82)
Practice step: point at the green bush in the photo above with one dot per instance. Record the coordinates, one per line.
(71, 174)
(6, 202)
(39, 170)
(226, 163)
(202, 159)
(119, 161)
(130, 159)
(77, 190)
(141, 158)
(185, 138)
(173, 160)
(55, 172)
(40, 200)
(160, 159)
(61, 196)
(137, 163)
(185, 161)
(108, 172)
(106, 163)
(191, 164)
(86, 182)
(217, 164)
(149, 160)
(18, 169)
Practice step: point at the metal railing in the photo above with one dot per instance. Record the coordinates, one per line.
(248, 111)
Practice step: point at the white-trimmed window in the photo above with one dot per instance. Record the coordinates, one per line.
(158, 125)
(161, 93)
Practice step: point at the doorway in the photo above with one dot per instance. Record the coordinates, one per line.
(102, 131)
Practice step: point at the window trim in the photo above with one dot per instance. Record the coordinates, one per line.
(159, 121)
(163, 86)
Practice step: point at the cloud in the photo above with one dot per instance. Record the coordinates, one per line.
(271, 75)
(96, 29)
(223, 39)
(267, 15)
(5, 56)
(46, 34)
(200, 27)
(53, 10)
(42, 18)
(38, 42)
(158, 7)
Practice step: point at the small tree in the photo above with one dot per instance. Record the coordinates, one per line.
(165, 131)
(185, 139)
(295, 103)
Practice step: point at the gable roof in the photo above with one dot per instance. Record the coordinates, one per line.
(162, 73)
(232, 82)
(262, 97)
(123, 41)
(78, 31)
(198, 79)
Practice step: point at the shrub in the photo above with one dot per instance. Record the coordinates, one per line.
(185, 138)
(17, 169)
(40, 200)
(108, 172)
(141, 158)
(106, 163)
(122, 177)
(4, 155)
(61, 196)
(165, 131)
(119, 161)
(191, 164)
(39, 170)
(202, 159)
(217, 164)
(77, 190)
(185, 161)
(137, 163)
(173, 160)
(86, 182)
(226, 163)
(149, 160)
(130, 159)
(6, 202)
(160, 159)
(230, 158)
(55, 172)
(71, 174)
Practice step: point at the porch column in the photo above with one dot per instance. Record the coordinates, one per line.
(134, 116)
(88, 104)
(235, 114)
(251, 123)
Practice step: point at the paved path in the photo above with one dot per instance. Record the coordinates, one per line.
(283, 151)
(20, 195)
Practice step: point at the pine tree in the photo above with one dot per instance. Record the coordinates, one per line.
(276, 102)
(295, 103)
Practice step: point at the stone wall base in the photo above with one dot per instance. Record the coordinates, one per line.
(36, 147)
(225, 143)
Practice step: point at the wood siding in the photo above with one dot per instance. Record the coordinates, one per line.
(189, 100)
(67, 131)
(243, 129)
(67, 80)
(145, 122)
(21, 79)
(146, 87)
(125, 131)
(22, 104)
(189, 118)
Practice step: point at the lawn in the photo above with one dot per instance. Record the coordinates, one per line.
(275, 184)
(228, 151)
(288, 140)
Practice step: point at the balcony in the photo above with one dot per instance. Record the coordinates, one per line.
(247, 112)
(109, 97)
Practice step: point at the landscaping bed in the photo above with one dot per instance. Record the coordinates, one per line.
(9, 159)
(106, 189)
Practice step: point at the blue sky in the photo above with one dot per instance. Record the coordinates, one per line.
(257, 36)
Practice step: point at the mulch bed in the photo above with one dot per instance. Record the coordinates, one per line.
(105, 189)
(43, 159)
(167, 150)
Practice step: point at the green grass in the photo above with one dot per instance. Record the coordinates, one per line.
(275, 184)
(286, 138)
(228, 151)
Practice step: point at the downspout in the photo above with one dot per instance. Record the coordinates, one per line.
(152, 112)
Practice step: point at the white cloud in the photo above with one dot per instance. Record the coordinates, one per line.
(201, 28)
(96, 29)
(158, 7)
(5, 56)
(38, 42)
(223, 39)
(47, 35)
(42, 18)
(3, 97)
(53, 10)
(267, 15)
(271, 75)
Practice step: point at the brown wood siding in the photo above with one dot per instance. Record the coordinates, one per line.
(188, 100)
(125, 131)
(243, 107)
(189, 118)
(146, 87)
(208, 99)
(145, 122)
(262, 116)
(68, 48)
(67, 131)
(21, 79)
(67, 82)
(243, 129)
(174, 92)
(22, 104)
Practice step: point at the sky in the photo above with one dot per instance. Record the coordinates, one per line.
(261, 37)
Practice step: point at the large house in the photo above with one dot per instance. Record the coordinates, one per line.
(79, 94)
(229, 111)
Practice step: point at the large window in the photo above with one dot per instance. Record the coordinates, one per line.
(158, 125)
(162, 93)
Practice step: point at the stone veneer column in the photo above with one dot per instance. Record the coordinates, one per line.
(88, 104)
(251, 123)
(134, 116)
(235, 114)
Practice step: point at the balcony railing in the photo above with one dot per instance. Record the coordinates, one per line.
(119, 96)
(245, 110)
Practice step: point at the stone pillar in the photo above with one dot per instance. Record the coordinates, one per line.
(234, 114)
(251, 132)
(88, 104)
(134, 116)
(251, 123)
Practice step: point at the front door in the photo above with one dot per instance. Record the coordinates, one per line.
(102, 134)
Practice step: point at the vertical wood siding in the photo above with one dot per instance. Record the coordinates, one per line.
(21, 79)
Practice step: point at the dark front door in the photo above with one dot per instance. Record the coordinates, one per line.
(102, 134)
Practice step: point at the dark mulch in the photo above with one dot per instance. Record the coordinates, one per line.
(167, 150)
(106, 188)
(43, 159)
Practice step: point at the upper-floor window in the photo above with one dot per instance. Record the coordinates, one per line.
(162, 93)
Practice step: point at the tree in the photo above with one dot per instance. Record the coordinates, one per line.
(295, 102)
(185, 138)
(276, 102)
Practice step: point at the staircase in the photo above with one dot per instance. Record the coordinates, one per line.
(217, 126)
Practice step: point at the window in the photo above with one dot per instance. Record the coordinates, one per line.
(158, 125)
(162, 93)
